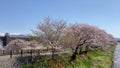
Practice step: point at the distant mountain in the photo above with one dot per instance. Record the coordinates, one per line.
(19, 36)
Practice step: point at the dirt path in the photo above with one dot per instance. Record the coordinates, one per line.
(116, 59)
(7, 62)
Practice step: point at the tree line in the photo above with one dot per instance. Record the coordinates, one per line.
(80, 38)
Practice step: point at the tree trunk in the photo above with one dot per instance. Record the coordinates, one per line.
(31, 58)
(73, 57)
(31, 53)
(39, 56)
(80, 52)
(11, 54)
(3, 52)
(86, 49)
(21, 53)
(38, 52)
(53, 53)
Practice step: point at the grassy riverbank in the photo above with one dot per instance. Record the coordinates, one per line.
(94, 59)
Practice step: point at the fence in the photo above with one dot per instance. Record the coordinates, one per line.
(31, 53)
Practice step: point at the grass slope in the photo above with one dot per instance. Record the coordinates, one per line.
(94, 59)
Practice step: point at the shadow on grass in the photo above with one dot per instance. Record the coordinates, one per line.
(41, 60)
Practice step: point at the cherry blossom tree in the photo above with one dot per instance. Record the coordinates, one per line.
(33, 44)
(50, 31)
(86, 37)
(106, 40)
(15, 45)
(67, 40)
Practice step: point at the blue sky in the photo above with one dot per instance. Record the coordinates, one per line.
(19, 16)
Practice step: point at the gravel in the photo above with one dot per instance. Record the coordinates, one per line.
(7, 62)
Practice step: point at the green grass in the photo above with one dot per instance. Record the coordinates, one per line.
(94, 59)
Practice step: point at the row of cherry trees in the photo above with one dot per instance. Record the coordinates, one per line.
(85, 38)
(19, 44)
(80, 37)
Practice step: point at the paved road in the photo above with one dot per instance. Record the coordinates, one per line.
(116, 58)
